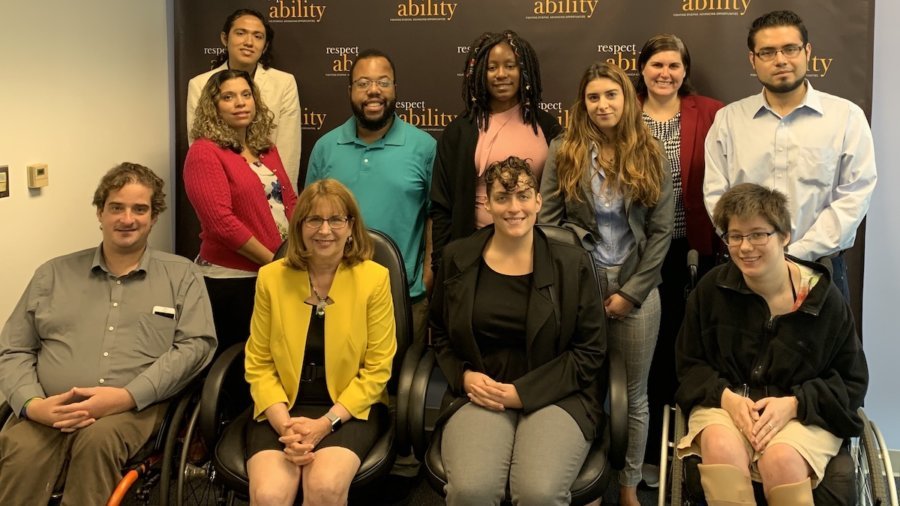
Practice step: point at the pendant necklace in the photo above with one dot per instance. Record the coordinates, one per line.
(321, 302)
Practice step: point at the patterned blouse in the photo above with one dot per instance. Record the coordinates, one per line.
(669, 134)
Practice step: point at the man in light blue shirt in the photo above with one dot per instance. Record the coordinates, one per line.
(814, 147)
(387, 164)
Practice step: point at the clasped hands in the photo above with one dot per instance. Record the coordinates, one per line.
(490, 394)
(759, 421)
(301, 435)
(79, 407)
(617, 307)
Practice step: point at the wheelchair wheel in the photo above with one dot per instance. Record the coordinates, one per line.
(195, 479)
(677, 476)
(873, 477)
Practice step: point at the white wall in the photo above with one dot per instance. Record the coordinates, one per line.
(85, 85)
(882, 279)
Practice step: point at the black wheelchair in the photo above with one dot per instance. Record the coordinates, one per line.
(218, 422)
(859, 475)
(606, 454)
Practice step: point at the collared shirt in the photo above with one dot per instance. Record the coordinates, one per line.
(391, 180)
(820, 155)
(616, 239)
(150, 331)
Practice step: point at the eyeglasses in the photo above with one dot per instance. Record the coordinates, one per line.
(768, 54)
(336, 222)
(756, 238)
(364, 83)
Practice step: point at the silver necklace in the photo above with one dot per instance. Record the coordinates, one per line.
(321, 302)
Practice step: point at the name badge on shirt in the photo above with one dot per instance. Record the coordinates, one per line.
(167, 312)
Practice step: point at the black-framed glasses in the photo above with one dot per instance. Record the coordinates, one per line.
(335, 222)
(768, 54)
(734, 239)
(363, 83)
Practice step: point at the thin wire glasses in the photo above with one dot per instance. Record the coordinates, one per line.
(768, 54)
(335, 222)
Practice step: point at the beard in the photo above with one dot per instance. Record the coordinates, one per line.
(784, 87)
(373, 124)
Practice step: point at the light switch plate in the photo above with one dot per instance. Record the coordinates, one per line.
(4, 181)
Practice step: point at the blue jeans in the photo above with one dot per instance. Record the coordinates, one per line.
(839, 276)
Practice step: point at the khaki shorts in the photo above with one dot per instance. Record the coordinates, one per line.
(815, 444)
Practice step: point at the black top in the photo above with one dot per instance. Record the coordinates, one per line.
(729, 339)
(500, 301)
(313, 389)
(565, 328)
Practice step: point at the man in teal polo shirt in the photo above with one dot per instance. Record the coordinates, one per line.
(386, 163)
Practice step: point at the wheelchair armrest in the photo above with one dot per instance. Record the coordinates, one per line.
(212, 391)
(618, 409)
(416, 407)
(404, 385)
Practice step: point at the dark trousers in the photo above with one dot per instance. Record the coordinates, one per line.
(839, 276)
(232, 306)
(662, 383)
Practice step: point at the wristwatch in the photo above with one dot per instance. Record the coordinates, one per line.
(335, 421)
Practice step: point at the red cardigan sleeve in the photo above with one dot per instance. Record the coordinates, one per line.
(208, 188)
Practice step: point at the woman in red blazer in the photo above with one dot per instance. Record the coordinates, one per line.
(236, 183)
(680, 120)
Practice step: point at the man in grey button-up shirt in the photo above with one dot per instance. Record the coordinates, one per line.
(98, 340)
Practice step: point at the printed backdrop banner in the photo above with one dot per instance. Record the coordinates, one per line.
(317, 40)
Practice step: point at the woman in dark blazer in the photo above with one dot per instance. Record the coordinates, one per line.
(519, 330)
(607, 179)
(501, 95)
(680, 119)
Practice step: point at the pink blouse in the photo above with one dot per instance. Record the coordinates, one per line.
(507, 135)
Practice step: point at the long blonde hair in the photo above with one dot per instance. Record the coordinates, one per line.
(637, 169)
(210, 125)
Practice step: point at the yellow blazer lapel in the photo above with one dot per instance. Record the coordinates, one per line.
(294, 315)
(345, 331)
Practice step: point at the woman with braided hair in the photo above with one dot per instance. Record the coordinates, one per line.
(501, 92)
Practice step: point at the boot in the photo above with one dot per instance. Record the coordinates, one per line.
(726, 485)
(792, 494)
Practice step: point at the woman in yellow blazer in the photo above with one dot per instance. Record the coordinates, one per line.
(319, 356)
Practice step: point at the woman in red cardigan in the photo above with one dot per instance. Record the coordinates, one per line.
(680, 119)
(241, 193)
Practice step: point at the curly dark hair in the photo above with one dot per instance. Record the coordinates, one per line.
(474, 89)
(125, 173)
(508, 173)
(210, 125)
(266, 58)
